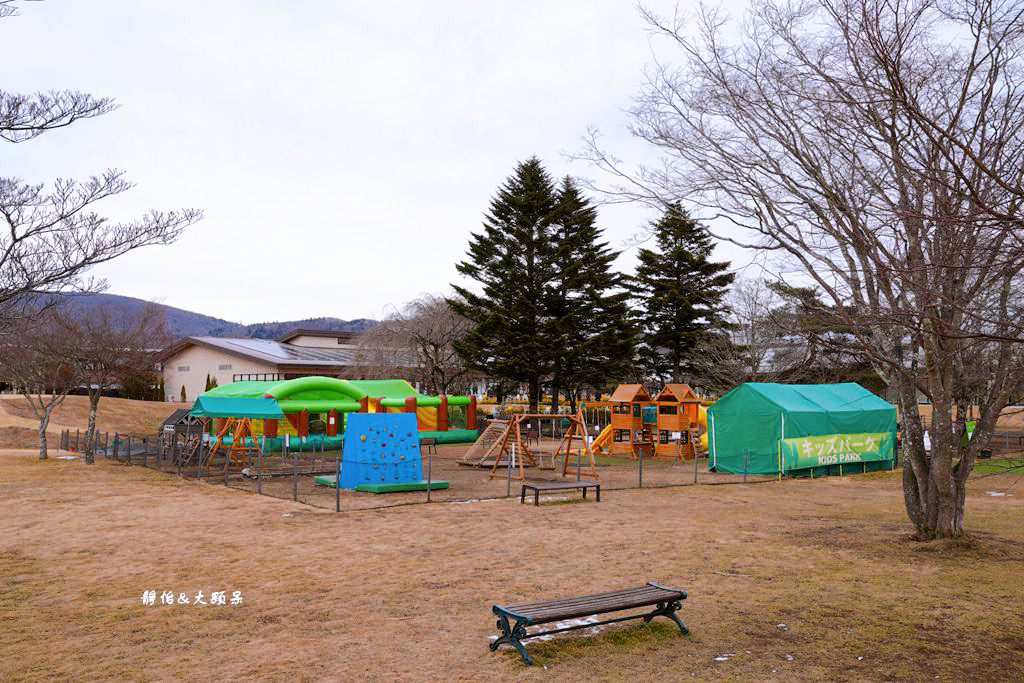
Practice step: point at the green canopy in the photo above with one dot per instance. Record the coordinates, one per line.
(232, 406)
(747, 423)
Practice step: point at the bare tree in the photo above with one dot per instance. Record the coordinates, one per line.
(50, 236)
(37, 359)
(416, 341)
(109, 350)
(878, 145)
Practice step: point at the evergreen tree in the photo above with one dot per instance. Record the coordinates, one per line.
(182, 393)
(207, 387)
(594, 338)
(679, 294)
(513, 260)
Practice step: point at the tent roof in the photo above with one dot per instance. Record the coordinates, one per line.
(231, 406)
(833, 398)
(677, 392)
(624, 393)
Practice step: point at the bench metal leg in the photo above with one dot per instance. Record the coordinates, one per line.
(536, 497)
(511, 635)
(597, 490)
(522, 495)
(668, 609)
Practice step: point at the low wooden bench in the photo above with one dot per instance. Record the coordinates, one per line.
(665, 601)
(538, 486)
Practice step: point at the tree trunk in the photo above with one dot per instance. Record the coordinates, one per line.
(556, 390)
(44, 422)
(94, 402)
(534, 389)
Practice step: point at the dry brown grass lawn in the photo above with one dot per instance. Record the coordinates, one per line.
(18, 426)
(803, 580)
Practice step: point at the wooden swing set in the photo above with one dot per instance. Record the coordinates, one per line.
(512, 450)
(240, 428)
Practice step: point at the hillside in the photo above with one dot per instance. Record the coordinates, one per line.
(182, 323)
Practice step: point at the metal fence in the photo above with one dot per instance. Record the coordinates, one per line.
(306, 476)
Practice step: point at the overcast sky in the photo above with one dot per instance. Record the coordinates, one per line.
(342, 152)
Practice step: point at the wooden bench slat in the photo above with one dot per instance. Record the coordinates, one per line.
(583, 603)
(609, 594)
(555, 610)
(558, 614)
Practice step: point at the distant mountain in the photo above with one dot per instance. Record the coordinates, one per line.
(182, 323)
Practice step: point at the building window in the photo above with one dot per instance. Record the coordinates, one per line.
(183, 368)
(257, 377)
(225, 366)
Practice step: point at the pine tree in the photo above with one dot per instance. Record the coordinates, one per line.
(207, 387)
(513, 261)
(589, 309)
(182, 393)
(679, 294)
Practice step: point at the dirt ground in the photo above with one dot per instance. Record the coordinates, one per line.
(798, 580)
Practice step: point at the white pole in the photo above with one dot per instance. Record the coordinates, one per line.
(781, 437)
(714, 450)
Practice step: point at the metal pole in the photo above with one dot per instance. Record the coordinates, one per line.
(259, 476)
(429, 476)
(694, 465)
(641, 451)
(508, 474)
(337, 484)
(295, 478)
(177, 455)
(129, 449)
(78, 434)
(746, 461)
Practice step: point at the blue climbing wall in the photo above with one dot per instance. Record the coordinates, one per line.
(380, 448)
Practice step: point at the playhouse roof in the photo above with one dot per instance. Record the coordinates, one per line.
(677, 392)
(624, 393)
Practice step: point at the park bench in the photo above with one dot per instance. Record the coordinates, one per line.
(664, 600)
(538, 486)
(429, 444)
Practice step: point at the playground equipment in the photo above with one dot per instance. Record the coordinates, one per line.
(702, 422)
(307, 402)
(381, 455)
(678, 408)
(489, 440)
(513, 451)
(602, 440)
(634, 418)
(666, 424)
(234, 418)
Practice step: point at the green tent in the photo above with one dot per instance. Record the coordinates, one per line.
(762, 427)
(234, 406)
